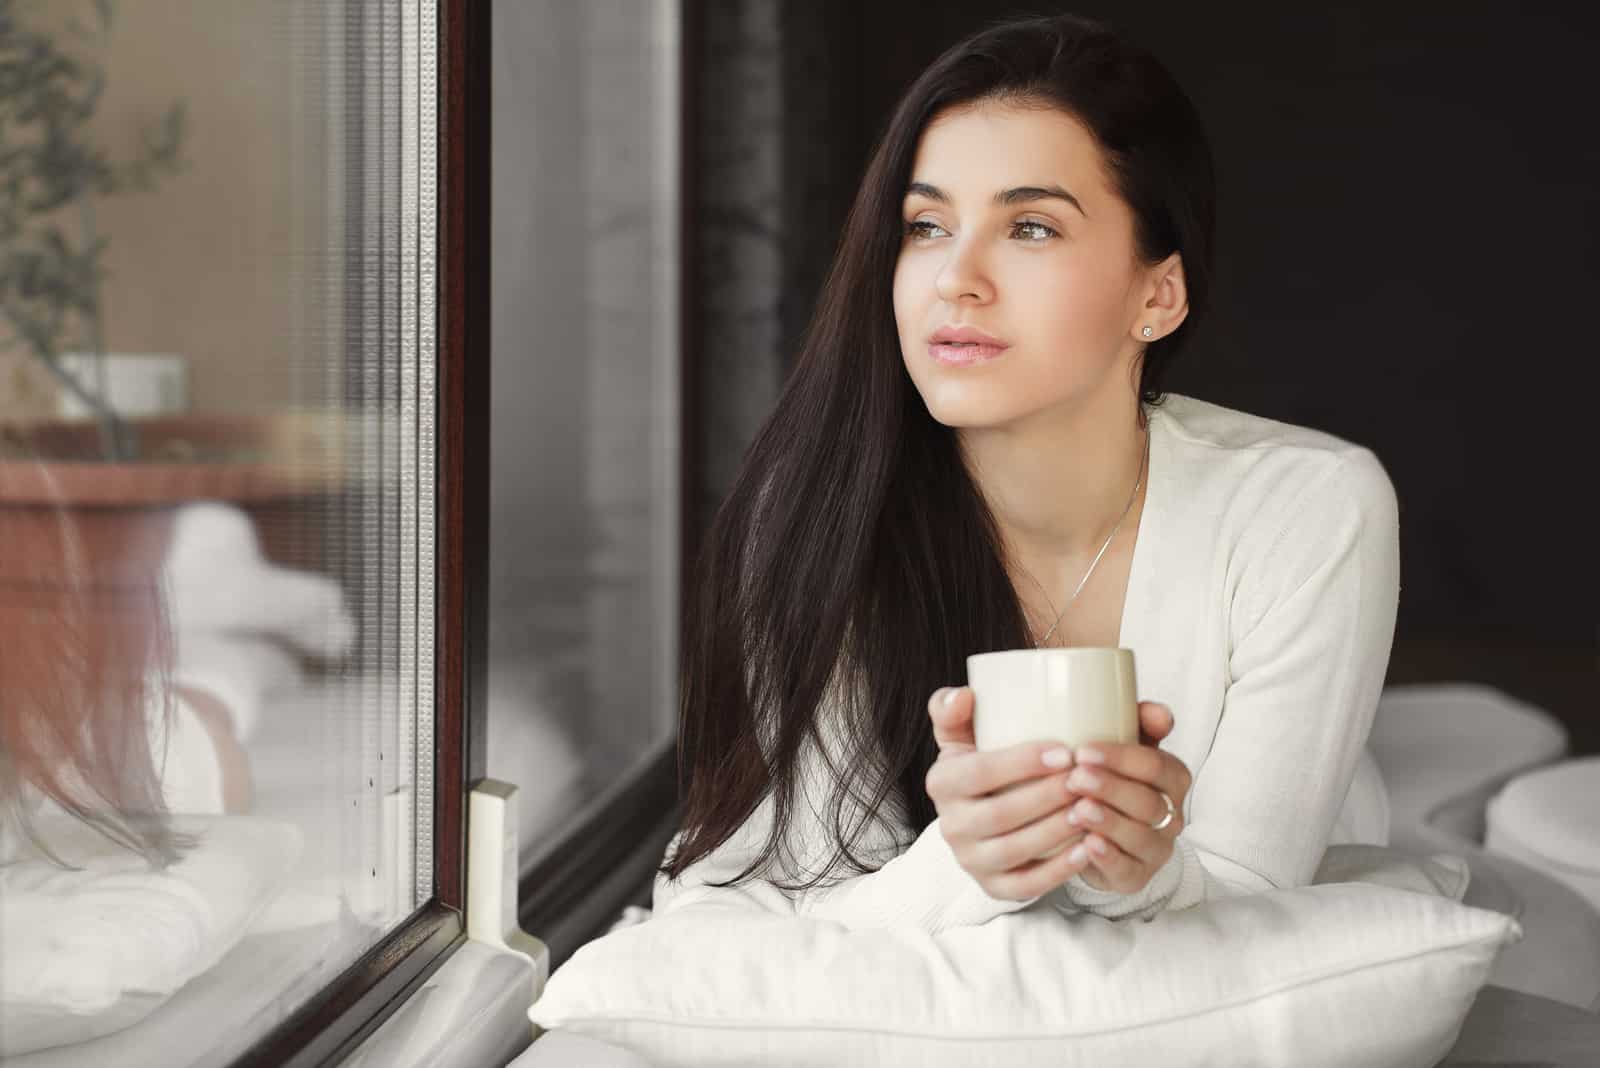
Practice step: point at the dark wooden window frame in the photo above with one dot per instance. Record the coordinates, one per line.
(329, 1026)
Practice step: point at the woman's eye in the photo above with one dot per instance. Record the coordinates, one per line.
(920, 228)
(1038, 227)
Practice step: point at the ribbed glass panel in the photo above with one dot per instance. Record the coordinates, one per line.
(218, 386)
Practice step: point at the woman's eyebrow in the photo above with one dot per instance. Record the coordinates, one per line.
(1019, 195)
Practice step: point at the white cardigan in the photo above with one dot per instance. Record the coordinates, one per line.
(1260, 608)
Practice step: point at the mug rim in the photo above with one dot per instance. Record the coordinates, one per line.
(1072, 650)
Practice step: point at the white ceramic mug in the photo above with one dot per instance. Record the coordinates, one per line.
(1073, 696)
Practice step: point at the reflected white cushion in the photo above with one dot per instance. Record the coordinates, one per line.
(217, 579)
(85, 953)
(242, 670)
(1377, 964)
(1547, 819)
(185, 756)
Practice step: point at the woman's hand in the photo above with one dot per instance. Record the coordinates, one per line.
(1000, 811)
(1124, 849)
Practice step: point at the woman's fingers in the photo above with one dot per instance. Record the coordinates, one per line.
(1035, 877)
(1121, 790)
(1117, 869)
(1009, 816)
(1155, 722)
(950, 708)
(1142, 763)
(1023, 846)
(1135, 800)
(1130, 834)
(970, 775)
(1008, 808)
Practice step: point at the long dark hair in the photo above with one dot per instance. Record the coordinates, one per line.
(854, 559)
(86, 654)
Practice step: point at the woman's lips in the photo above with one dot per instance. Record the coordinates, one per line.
(955, 355)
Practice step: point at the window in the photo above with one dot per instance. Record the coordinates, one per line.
(237, 504)
(586, 485)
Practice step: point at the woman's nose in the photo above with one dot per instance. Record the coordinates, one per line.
(963, 276)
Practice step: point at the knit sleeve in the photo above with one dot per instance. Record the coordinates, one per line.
(1311, 628)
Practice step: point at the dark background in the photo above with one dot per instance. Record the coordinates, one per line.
(1407, 246)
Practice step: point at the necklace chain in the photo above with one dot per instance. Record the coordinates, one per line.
(1143, 464)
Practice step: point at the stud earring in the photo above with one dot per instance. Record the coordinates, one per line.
(1148, 331)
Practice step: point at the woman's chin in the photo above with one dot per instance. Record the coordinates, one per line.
(964, 416)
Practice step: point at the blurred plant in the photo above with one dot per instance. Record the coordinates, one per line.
(50, 270)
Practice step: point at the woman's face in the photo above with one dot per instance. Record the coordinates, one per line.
(1051, 272)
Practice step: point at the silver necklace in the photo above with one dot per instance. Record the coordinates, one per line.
(1144, 463)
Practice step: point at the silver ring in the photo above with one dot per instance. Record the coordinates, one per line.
(1172, 810)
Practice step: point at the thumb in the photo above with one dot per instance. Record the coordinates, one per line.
(952, 720)
(1155, 722)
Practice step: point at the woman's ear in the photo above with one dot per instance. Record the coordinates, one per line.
(1166, 302)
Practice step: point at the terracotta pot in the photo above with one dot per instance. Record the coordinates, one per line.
(188, 457)
(284, 469)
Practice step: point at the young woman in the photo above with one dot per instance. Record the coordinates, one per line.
(973, 453)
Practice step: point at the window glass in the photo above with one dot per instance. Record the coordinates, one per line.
(217, 350)
(584, 479)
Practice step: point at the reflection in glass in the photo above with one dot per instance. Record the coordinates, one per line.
(217, 339)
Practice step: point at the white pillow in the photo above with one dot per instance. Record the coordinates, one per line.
(89, 952)
(1440, 874)
(1337, 974)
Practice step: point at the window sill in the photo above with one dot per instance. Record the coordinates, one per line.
(472, 1011)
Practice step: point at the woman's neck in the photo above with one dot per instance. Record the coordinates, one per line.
(1058, 484)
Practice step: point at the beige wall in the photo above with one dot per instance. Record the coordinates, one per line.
(201, 266)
